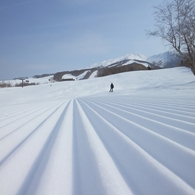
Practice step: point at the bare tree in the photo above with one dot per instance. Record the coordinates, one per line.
(175, 23)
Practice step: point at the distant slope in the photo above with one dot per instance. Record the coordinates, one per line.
(165, 60)
(126, 63)
(130, 62)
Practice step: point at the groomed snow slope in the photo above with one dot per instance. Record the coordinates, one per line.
(76, 138)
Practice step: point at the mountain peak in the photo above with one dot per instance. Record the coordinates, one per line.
(128, 57)
(164, 60)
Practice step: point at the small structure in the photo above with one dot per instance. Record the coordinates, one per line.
(68, 77)
(23, 78)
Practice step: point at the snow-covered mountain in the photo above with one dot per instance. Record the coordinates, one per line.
(129, 62)
(129, 58)
(165, 60)
(125, 63)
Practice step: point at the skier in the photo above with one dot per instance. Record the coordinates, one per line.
(111, 87)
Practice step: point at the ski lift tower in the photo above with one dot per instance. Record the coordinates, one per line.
(23, 78)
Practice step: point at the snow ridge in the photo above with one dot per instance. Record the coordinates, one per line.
(136, 56)
(165, 60)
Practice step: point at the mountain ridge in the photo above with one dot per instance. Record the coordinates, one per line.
(129, 62)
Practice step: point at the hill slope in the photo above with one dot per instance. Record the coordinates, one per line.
(130, 62)
(77, 138)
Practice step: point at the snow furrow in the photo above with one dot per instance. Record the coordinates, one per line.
(174, 105)
(20, 113)
(171, 115)
(184, 122)
(167, 104)
(188, 117)
(58, 170)
(22, 157)
(24, 116)
(31, 182)
(136, 165)
(174, 109)
(93, 166)
(179, 135)
(146, 138)
(19, 123)
(22, 135)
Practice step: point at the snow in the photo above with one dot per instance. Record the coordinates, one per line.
(81, 76)
(68, 76)
(167, 59)
(161, 57)
(43, 80)
(37, 81)
(94, 74)
(130, 57)
(134, 61)
(75, 137)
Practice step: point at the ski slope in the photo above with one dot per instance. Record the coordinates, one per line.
(76, 138)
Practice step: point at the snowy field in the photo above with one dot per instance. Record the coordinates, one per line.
(76, 138)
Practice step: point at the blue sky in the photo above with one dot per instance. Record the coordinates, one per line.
(48, 36)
